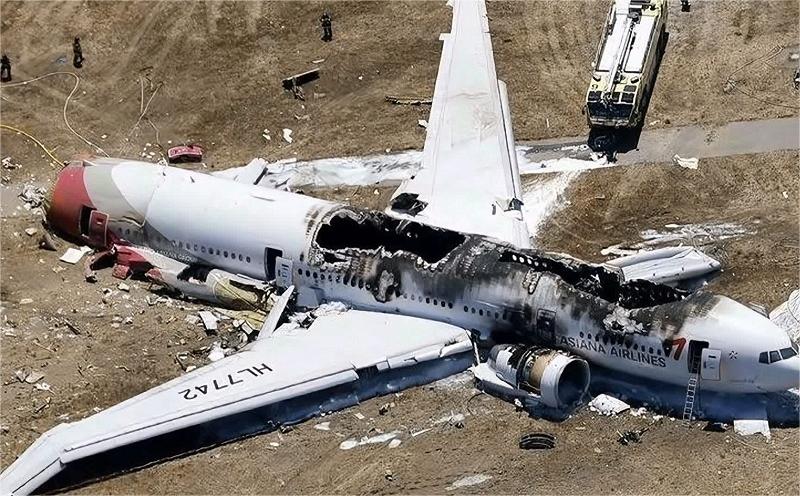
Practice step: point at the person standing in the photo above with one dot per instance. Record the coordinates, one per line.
(5, 69)
(327, 29)
(77, 53)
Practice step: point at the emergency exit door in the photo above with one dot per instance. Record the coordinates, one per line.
(98, 222)
(709, 364)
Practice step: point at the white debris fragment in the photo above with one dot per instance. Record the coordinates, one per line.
(748, 427)
(287, 135)
(359, 416)
(785, 195)
(274, 444)
(380, 438)
(452, 419)
(422, 123)
(30, 378)
(43, 386)
(787, 316)
(608, 405)
(394, 443)
(638, 412)
(9, 165)
(123, 287)
(31, 231)
(468, 480)
(216, 352)
(323, 426)
(26, 301)
(73, 256)
(209, 320)
(686, 163)
(318, 61)
(265, 134)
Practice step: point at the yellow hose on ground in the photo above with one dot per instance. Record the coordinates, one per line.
(27, 135)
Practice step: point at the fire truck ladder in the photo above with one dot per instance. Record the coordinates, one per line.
(621, 53)
(691, 389)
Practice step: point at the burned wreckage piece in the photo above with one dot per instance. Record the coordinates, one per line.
(348, 229)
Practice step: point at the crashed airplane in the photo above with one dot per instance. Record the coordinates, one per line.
(449, 264)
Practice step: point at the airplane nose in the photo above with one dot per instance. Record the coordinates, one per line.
(67, 199)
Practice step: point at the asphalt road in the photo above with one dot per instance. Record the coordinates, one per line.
(659, 145)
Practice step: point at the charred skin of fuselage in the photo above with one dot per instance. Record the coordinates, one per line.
(397, 260)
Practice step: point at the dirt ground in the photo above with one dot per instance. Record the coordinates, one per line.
(215, 68)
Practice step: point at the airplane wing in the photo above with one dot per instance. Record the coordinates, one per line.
(281, 379)
(469, 180)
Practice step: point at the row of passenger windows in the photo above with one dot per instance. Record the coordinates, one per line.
(355, 282)
(777, 355)
(197, 248)
(621, 340)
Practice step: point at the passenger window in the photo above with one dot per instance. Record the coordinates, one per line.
(225, 254)
(466, 308)
(774, 356)
(203, 249)
(435, 303)
(788, 353)
(360, 284)
(480, 312)
(427, 300)
(248, 258)
(240, 257)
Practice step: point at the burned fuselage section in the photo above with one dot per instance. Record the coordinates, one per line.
(377, 262)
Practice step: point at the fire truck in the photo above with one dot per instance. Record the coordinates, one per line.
(624, 70)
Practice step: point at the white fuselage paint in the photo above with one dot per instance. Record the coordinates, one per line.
(197, 218)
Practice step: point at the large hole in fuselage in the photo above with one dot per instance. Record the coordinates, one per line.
(375, 230)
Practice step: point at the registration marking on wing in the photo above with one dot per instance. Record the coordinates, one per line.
(225, 381)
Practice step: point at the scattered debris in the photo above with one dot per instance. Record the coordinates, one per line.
(323, 426)
(47, 242)
(9, 165)
(31, 231)
(384, 409)
(422, 123)
(26, 301)
(394, 443)
(287, 135)
(787, 316)
(209, 321)
(28, 377)
(184, 154)
(748, 427)
(388, 475)
(537, 440)
(402, 100)
(716, 427)
(686, 163)
(123, 287)
(73, 256)
(628, 437)
(608, 405)
(468, 480)
(265, 134)
(380, 438)
(216, 352)
(293, 82)
(359, 416)
(43, 386)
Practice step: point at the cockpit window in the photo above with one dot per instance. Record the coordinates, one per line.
(778, 355)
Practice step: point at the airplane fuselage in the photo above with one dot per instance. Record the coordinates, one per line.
(373, 261)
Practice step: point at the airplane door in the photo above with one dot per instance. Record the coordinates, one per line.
(270, 257)
(98, 221)
(709, 369)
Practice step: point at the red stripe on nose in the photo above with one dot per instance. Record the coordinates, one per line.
(69, 196)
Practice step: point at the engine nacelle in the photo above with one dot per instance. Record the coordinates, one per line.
(560, 379)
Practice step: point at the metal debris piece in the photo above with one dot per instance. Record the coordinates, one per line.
(123, 287)
(209, 320)
(629, 437)
(537, 440)
(292, 82)
(686, 163)
(287, 135)
(31, 231)
(608, 405)
(73, 256)
(216, 352)
(46, 242)
(323, 426)
(407, 100)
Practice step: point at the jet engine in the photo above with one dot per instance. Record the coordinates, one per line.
(560, 379)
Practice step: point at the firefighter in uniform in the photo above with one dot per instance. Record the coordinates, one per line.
(327, 30)
(5, 69)
(77, 53)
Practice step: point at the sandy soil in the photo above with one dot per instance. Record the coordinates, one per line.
(221, 64)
